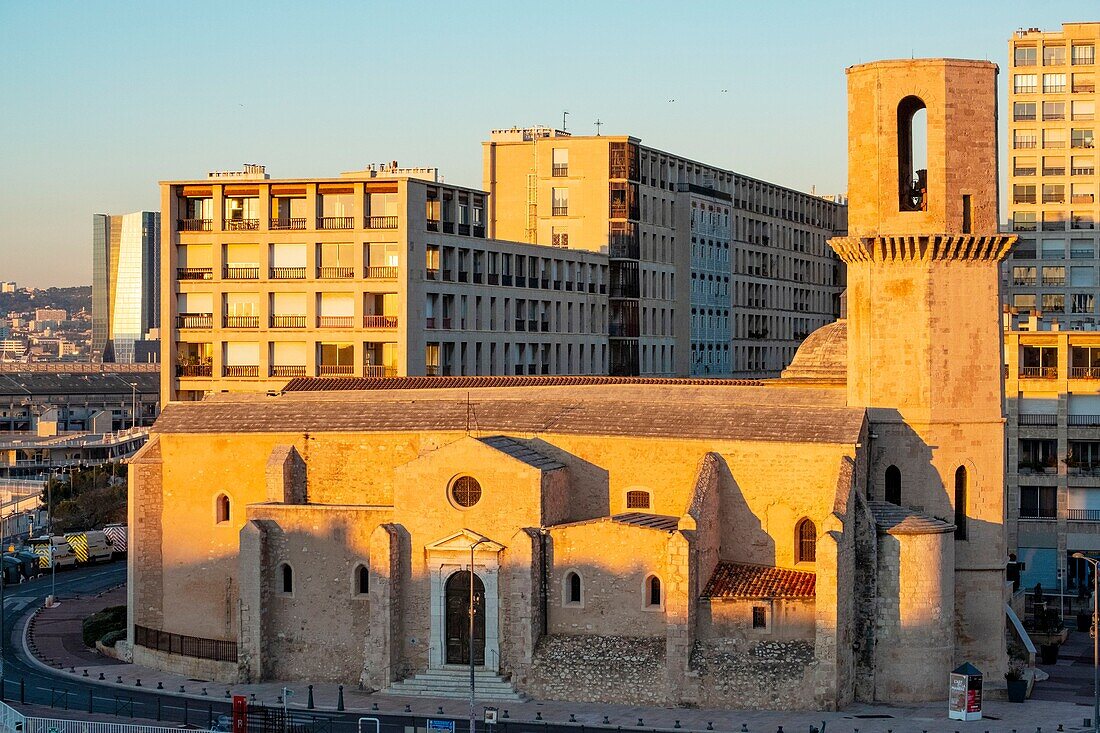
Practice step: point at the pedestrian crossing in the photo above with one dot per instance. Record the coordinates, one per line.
(18, 603)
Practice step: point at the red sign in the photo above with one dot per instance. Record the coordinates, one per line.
(240, 714)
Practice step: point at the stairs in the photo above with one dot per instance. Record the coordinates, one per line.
(454, 683)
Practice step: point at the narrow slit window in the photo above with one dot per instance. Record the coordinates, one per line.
(912, 155)
(893, 485)
(966, 214)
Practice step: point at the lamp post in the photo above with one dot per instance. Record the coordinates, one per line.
(1095, 642)
(133, 408)
(470, 642)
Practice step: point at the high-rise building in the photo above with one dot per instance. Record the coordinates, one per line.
(373, 273)
(712, 273)
(125, 283)
(1052, 174)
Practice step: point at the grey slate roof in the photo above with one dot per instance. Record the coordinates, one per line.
(894, 519)
(660, 522)
(656, 411)
(26, 384)
(522, 451)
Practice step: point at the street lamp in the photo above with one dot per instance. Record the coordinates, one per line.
(470, 643)
(1095, 642)
(133, 408)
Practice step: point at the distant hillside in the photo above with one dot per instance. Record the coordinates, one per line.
(71, 299)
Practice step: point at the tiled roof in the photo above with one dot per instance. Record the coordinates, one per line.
(894, 519)
(24, 384)
(724, 413)
(652, 521)
(350, 384)
(734, 580)
(522, 451)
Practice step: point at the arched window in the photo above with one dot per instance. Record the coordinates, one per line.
(465, 492)
(893, 485)
(572, 588)
(960, 503)
(653, 597)
(286, 579)
(912, 154)
(805, 549)
(221, 509)
(637, 499)
(362, 580)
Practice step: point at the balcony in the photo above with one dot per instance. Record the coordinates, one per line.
(194, 225)
(1057, 171)
(1035, 513)
(1038, 420)
(1080, 144)
(1025, 89)
(335, 273)
(1024, 280)
(1023, 199)
(335, 370)
(560, 211)
(375, 371)
(281, 223)
(194, 273)
(1023, 171)
(242, 321)
(380, 273)
(1038, 372)
(336, 321)
(1036, 467)
(431, 273)
(1084, 171)
(242, 370)
(251, 272)
(195, 320)
(1024, 143)
(1082, 198)
(1083, 421)
(288, 370)
(379, 321)
(432, 225)
(1079, 222)
(194, 370)
(336, 222)
(1054, 280)
(288, 273)
(1082, 254)
(560, 170)
(464, 229)
(242, 225)
(1083, 515)
(479, 231)
(1082, 88)
(1024, 117)
(381, 222)
(288, 321)
(431, 370)
(1054, 226)
(1054, 198)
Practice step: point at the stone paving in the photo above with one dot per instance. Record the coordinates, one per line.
(1061, 703)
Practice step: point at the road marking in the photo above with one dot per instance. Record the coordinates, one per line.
(18, 603)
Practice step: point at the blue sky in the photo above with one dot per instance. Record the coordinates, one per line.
(100, 100)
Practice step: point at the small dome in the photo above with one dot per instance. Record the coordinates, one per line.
(823, 355)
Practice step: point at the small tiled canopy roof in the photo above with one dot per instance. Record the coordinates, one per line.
(734, 580)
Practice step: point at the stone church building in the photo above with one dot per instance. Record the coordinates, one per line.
(830, 536)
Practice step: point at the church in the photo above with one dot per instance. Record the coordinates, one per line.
(835, 535)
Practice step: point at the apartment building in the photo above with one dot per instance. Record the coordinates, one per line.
(125, 285)
(711, 272)
(1053, 175)
(1052, 389)
(380, 272)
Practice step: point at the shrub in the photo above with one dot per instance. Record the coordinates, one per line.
(98, 625)
(113, 637)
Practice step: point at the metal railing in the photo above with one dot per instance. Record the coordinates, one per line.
(1023, 171)
(1024, 280)
(1083, 421)
(1038, 372)
(335, 321)
(242, 225)
(251, 272)
(1025, 143)
(1083, 515)
(288, 273)
(1082, 198)
(194, 225)
(335, 370)
(287, 370)
(292, 223)
(560, 211)
(558, 170)
(1054, 171)
(373, 321)
(242, 321)
(195, 320)
(380, 272)
(194, 370)
(1032, 420)
(288, 321)
(239, 370)
(1079, 87)
(381, 222)
(1084, 372)
(336, 222)
(1054, 198)
(218, 650)
(194, 273)
(335, 272)
(373, 370)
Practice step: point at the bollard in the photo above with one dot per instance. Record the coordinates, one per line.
(505, 713)
(204, 690)
(710, 725)
(440, 711)
(118, 681)
(640, 723)
(408, 709)
(85, 673)
(677, 724)
(606, 721)
(89, 701)
(340, 698)
(538, 715)
(572, 718)
(309, 703)
(227, 695)
(745, 728)
(138, 684)
(100, 675)
(374, 707)
(181, 688)
(252, 697)
(160, 685)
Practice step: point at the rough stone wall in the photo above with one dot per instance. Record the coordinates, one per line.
(865, 599)
(681, 597)
(145, 560)
(286, 476)
(703, 511)
(521, 603)
(729, 621)
(611, 669)
(766, 675)
(255, 590)
(385, 632)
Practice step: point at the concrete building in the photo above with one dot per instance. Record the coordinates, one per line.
(833, 535)
(711, 272)
(1053, 176)
(381, 272)
(125, 283)
(71, 395)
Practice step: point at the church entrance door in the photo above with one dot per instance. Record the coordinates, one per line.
(458, 619)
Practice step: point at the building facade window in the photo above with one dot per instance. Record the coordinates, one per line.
(654, 597)
(759, 617)
(893, 485)
(805, 541)
(465, 491)
(637, 499)
(286, 579)
(560, 201)
(572, 591)
(221, 509)
(960, 502)
(1038, 502)
(361, 580)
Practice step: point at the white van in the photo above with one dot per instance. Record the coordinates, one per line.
(55, 548)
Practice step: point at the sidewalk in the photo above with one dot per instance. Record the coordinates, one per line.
(56, 634)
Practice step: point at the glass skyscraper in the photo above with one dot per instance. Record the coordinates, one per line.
(125, 283)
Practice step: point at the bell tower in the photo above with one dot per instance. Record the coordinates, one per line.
(924, 330)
